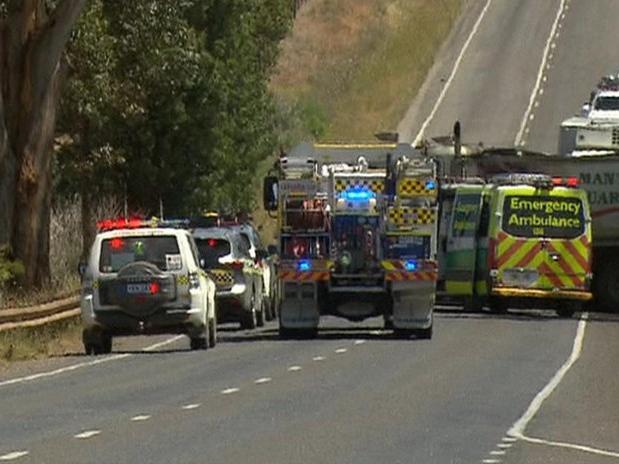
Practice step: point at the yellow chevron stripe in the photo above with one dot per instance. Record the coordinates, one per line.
(525, 247)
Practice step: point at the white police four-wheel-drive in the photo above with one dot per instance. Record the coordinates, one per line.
(144, 277)
(357, 236)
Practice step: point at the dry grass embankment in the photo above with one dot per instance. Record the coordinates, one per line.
(361, 62)
(53, 339)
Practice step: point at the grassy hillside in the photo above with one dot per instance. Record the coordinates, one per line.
(358, 63)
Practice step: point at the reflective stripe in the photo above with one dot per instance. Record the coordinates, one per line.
(297, 276)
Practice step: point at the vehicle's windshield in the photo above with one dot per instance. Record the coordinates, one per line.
(211, 249)
(607, 104)
(161, 251)
(543, 216)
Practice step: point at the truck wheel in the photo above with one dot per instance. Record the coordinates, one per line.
(106, 343)
(424, 334)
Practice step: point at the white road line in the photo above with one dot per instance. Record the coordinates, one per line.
(491, 461)
(504, 445)
(538, 81)
(517, 430)
(163, 343)
(262, 380)
(359, 342)
(229, 391)
(318, 358)
(13, 455)
(88, 434)
(140, 418)
(441, 96)
(509, 439)
(188, 407)
(497, 452)
(341, 350)
(94, 362)
(586, 449)
(294, 368)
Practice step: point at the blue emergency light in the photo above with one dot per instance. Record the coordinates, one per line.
(357, 194)
(430, 185)
(304, 265)
(410, 265)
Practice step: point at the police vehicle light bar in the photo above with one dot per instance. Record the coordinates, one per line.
(357, 194)
(304, 265)
(410, 265)
(137, 223)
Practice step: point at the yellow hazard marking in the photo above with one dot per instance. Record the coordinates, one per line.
(409, 216)
(375, 185)
(414, 188)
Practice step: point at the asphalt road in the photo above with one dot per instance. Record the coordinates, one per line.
(525, 387)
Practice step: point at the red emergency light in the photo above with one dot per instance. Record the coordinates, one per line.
(120, 223)
(570, 181)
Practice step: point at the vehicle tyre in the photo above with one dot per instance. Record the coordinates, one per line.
(497, 306)
(248, 318)
(260, 316)
(106, 343)
(387, 323)
(269, 306)
(212, 333)
(200, 341)
(424, 334)
(403, 333)
(565, 313)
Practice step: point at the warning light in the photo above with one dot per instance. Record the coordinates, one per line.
(117, 243)
(572, 182)
(410, 265)
(430, 185)
(154, 288)
(556, 181)
(357, 194)
(212, 242)
(304, 265)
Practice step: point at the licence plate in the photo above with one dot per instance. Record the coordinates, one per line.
(135, 289)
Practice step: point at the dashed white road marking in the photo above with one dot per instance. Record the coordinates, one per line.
(318, 358)
(88, 434)
(94, 362)
(584, 448)
(517, 430)
(140, 418)
(188, 407)
(497, 452)
(509, 439)
(359, 342)
(441, 96)
(491, 461)
(263, 380)
(13, 455)
(504, 445)
(229, 391)
(341, 350)
(294, 368)
(540, 75)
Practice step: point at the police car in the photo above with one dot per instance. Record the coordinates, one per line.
(145, 278)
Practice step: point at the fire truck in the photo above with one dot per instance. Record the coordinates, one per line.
(357, 236)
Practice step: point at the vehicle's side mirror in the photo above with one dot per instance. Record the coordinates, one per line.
(586, 108)
(202, 263)
(81, 269)
(272, 250)
(270, 193)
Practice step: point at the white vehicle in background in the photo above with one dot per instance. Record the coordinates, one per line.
(145, 278)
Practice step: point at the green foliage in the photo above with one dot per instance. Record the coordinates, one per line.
(11, 271)
(169, 101)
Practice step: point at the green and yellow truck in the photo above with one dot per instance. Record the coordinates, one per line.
(516, 240)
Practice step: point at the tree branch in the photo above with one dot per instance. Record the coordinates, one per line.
(51, 42)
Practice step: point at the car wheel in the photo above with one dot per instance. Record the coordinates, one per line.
(200, 342)
(106, 343)
(497, 306)
(212, 333)
(248, 319)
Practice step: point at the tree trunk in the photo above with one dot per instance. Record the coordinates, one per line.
(31, 47)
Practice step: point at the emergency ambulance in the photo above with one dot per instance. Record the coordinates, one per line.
(520, 240)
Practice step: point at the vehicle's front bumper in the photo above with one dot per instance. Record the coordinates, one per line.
(511, 292)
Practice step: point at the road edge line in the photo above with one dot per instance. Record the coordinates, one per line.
(518, 428)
